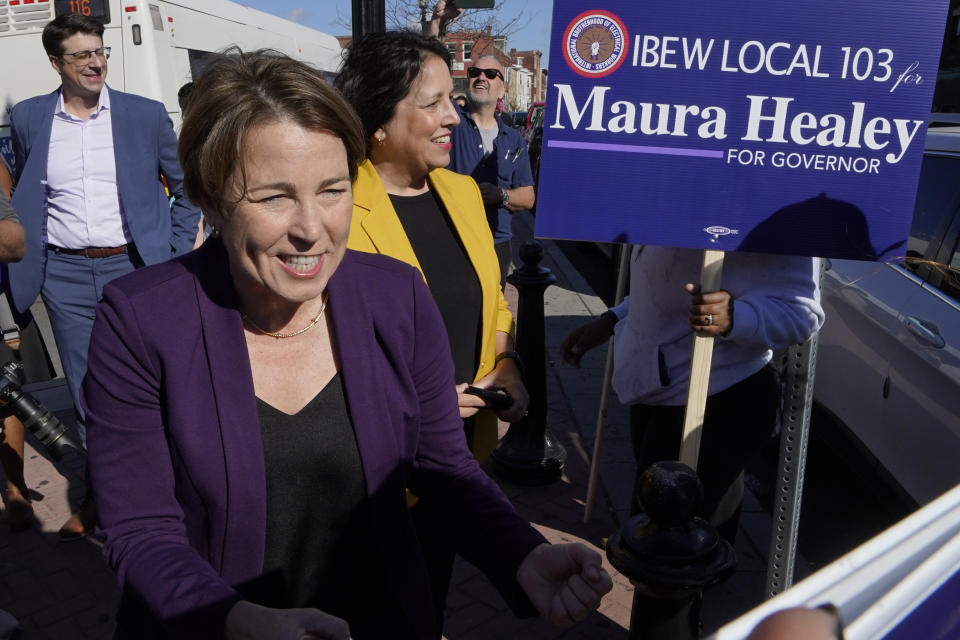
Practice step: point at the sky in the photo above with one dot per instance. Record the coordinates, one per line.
(333, 16)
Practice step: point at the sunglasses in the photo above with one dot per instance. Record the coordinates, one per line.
(474, 72)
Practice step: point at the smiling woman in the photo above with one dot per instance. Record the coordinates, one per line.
(409, 206)
(288, 232)
(257, 408)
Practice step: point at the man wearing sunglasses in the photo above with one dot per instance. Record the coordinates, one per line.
(494, 154)
(89, 162)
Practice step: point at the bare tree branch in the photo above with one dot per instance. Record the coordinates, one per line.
(503, 20)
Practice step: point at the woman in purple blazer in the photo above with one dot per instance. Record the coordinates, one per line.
(258, 407)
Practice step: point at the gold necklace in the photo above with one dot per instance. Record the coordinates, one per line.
(279, 335)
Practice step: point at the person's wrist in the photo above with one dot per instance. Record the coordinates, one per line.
(509, 355)
(726, 333)
(238, 619)
(526, 565)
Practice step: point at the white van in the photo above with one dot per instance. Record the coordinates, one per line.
(157, 46)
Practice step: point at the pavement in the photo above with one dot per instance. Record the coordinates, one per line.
(64, 591)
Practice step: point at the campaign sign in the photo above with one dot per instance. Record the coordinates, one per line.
(791, 127)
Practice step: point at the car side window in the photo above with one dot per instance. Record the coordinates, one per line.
(950, 284)
(938, 197)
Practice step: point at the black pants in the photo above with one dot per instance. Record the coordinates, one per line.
(737, 423)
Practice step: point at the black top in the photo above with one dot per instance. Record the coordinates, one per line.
(320, 535)
(449, 273)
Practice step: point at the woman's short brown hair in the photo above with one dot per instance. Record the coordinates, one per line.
(238, 92)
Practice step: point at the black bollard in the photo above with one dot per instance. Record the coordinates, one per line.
(528, 453)
(670, 554)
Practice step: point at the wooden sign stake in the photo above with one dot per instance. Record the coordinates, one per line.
(710, 277)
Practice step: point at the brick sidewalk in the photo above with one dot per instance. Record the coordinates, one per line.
(475, 610)
(58, 591)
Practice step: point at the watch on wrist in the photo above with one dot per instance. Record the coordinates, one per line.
(513, 355)
(504, 198)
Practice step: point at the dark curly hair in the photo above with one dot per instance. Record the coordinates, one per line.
(238, 92)
(378, 71)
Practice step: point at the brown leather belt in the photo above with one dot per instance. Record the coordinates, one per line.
(90, 252)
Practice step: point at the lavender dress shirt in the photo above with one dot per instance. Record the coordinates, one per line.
(83, 204)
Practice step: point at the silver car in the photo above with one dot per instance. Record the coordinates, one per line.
(889, 360)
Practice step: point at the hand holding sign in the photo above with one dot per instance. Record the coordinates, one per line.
(711, 314)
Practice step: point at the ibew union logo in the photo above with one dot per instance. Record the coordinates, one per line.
(595, 43)
(719, 230)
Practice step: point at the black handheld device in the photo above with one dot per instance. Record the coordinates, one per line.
(495, 398)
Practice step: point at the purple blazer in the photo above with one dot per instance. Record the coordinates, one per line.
(176, 458)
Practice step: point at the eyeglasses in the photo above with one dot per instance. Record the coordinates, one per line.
(82, 57)
(474, 72)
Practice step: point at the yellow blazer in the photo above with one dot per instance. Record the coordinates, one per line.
(375, 228)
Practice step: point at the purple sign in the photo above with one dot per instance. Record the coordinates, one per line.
(793, 128)
(936, 616)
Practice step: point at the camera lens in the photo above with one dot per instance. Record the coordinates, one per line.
(44, 426)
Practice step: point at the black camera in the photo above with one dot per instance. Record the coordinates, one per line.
(44, 426)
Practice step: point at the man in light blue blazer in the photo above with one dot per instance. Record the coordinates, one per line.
(90, 169)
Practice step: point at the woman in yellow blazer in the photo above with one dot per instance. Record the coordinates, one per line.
(406, 205)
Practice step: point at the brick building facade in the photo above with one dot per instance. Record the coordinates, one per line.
(525, 79)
